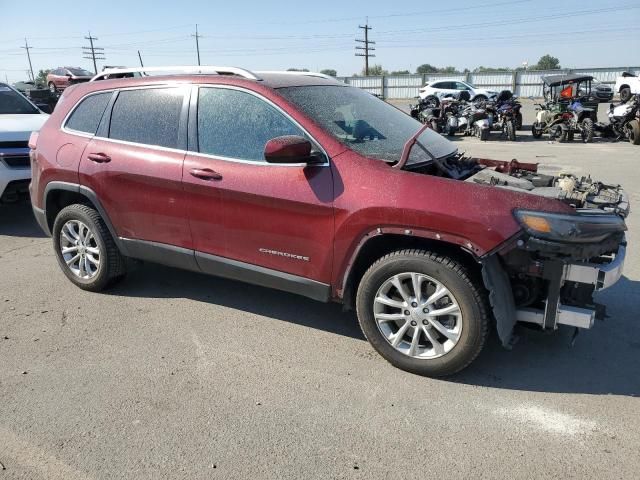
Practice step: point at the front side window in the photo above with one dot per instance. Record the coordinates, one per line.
(80, 72)
(462, 86)
(149, 116)
(237, 124)
(86, 117)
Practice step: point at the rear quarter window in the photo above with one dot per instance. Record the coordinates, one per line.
(87, 115)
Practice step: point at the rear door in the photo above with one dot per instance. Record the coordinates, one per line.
(274, 216)
(134, 164)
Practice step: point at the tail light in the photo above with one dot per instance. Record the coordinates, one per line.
(33, 140)
(566, 116)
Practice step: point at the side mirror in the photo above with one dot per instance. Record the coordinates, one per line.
(290, 149)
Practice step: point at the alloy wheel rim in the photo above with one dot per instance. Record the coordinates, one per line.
(417, 315)
(79, 249)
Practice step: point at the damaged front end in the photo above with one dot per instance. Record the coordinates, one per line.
(547, 275)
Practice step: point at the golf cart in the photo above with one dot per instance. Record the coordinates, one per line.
(570, 107)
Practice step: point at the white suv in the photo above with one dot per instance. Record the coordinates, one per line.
(443, 86)
(627, 85)
(18, 118)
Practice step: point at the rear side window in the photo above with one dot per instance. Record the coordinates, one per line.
(237, 124)
(86, 117)
(148, 116)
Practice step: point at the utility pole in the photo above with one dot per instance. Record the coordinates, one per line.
(367, 48)
(197, 44)
(27, 48)
(93, 53)
(140, 57)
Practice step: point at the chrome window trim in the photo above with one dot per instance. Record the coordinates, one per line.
(197, 87)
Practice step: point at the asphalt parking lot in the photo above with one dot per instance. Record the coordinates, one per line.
(177, 375)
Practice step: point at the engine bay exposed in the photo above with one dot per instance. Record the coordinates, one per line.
(578, 192)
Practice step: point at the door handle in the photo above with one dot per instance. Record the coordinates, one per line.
(99, 157)
(205, 174)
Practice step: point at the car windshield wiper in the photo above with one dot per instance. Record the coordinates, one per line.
(406, 150)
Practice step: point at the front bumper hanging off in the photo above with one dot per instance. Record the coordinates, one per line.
(599, 276)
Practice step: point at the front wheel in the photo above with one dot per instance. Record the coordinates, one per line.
(435, 126)
(511, 130)
(625, 94)
(536, 130)
(518, 121)
(85, 250)
(422, 312)
(52, 87)
(586, 132)
(483, 134)
(633, 132)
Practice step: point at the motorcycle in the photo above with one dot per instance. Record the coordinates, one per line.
(473, 119)
(504, 114)
(624, 120)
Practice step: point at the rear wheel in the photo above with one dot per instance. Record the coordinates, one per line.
(625, 94)
(560, 134)
(587, 130)
(85, 249)
(431, 101)
(480, 98)
(633, 132)
(483, 134)
(422, 312)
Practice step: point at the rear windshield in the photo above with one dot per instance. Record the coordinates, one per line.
(11, 102)
(79, 72)
(366, 124)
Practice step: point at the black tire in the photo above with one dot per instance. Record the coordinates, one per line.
(484, 134)
(625, 94)
(479, 98)
(112, 265)
(536, 130)
(52, 87)
(633, 132)
(472, 303)
(570, 136)
(511, 130)
(587, 130)
(518, 121)
(435, 126)
(431, 101)
(561, 135)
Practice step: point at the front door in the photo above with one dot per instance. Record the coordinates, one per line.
(279, 217)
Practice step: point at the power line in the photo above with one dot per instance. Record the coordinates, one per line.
(27, 47)
(92, 52)
(366, 47)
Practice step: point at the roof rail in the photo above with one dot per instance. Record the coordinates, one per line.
(308, 74)
(181, 69)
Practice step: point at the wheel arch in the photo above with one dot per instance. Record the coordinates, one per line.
(379, 243)
(624, 85)
(58, 195)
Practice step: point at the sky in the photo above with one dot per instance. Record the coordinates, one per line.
(272, 35)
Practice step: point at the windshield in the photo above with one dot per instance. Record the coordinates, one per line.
(366, 124)
(79, 72)
(11, 102)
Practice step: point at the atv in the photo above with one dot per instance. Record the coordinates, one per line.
(569, 108)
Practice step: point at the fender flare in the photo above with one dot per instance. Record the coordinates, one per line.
(92, 197)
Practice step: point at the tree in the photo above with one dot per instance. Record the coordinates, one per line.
(481, 69)
(297, 69)
(547, 62)
(426, 68)
(329, 71)
(41, 78)
(376, 70)
(400, 72)
(448, 70)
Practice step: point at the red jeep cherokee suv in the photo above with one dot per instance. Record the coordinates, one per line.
(304, 184)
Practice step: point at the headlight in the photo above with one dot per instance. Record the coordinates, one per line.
(582, 227)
